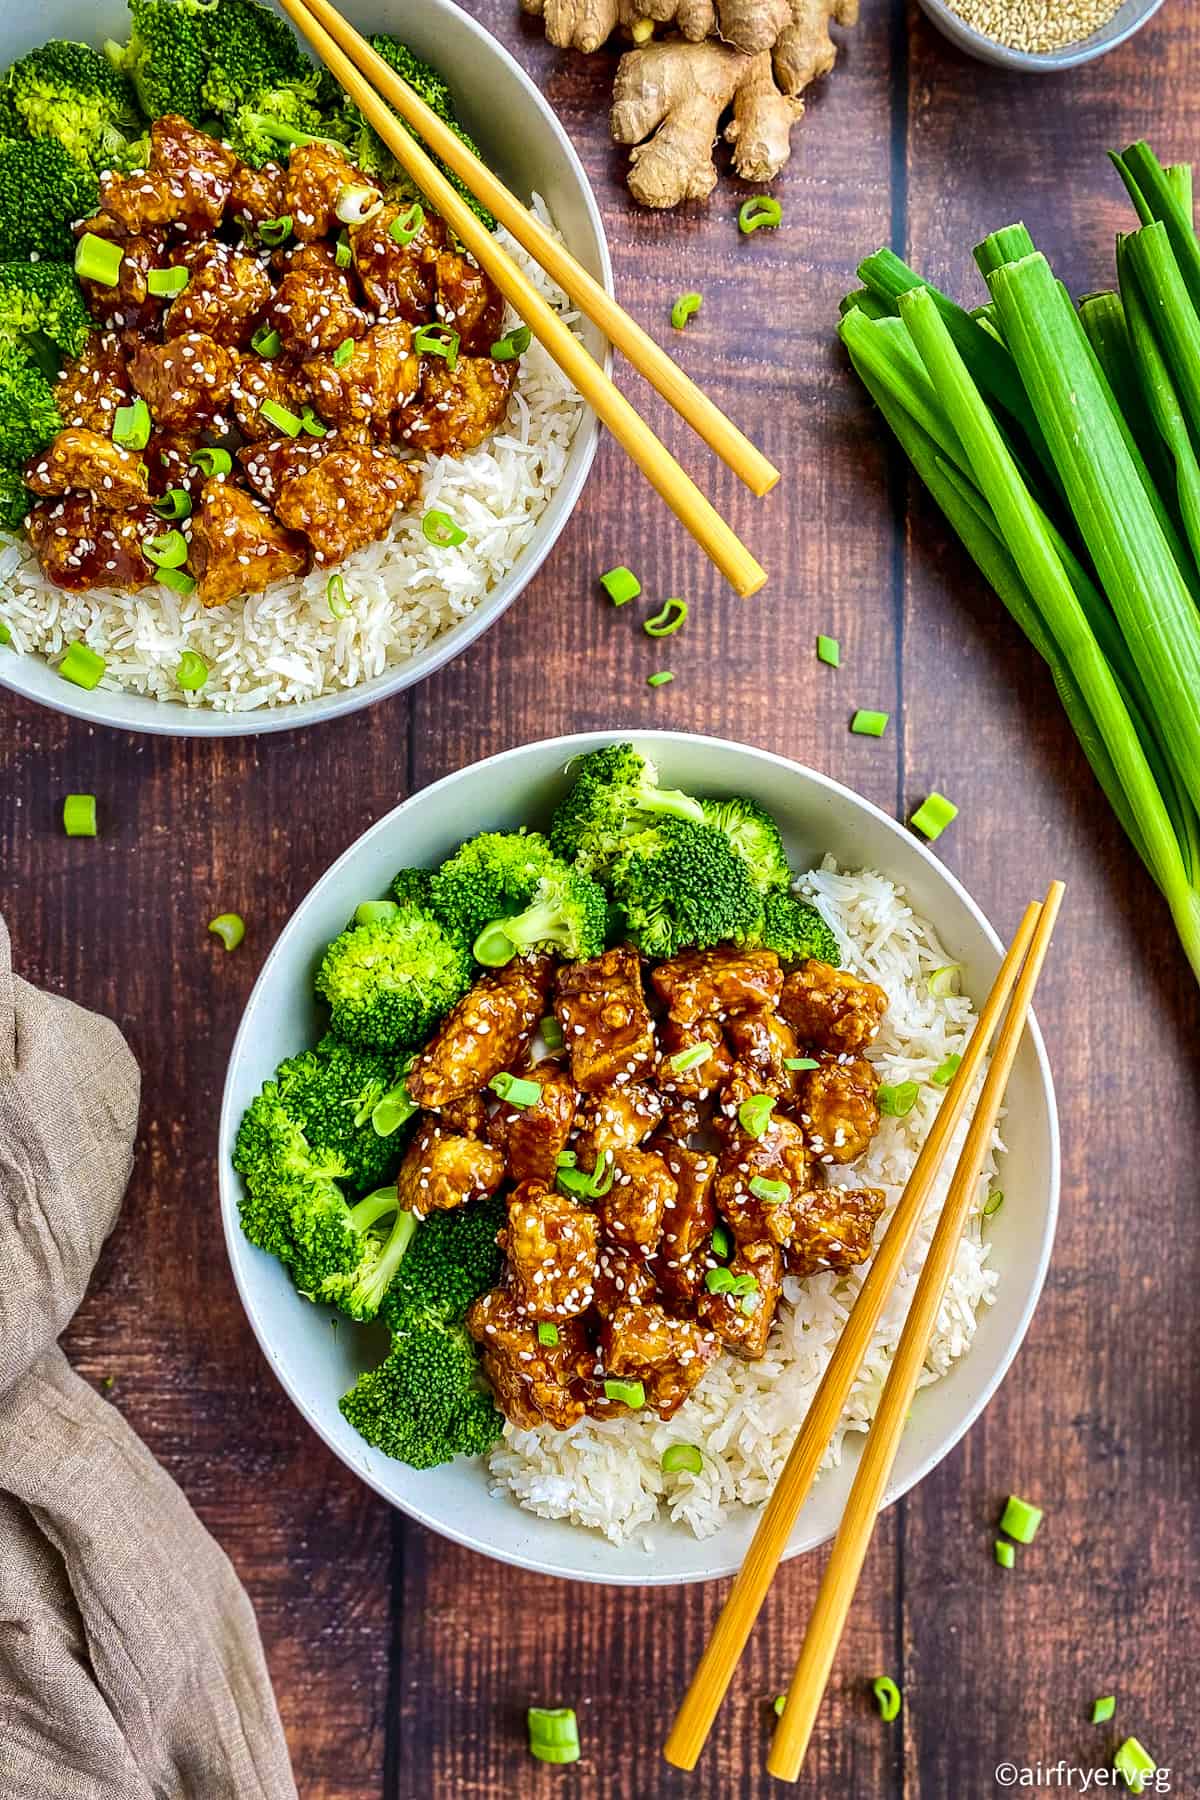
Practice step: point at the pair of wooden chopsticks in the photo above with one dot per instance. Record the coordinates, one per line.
(366, 77)
(1018, 976)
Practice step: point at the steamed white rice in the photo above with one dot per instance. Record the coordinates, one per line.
(282, 646)
(607, 1474)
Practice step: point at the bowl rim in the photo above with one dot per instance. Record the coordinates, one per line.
(570, 746)
(180, 721)
(1032, 62)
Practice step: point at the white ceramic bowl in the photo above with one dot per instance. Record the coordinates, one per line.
(523, 141)
(317, 1365)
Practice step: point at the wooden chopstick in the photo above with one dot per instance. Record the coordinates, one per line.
(735, 1622)
(681, 494)
(883, 1440)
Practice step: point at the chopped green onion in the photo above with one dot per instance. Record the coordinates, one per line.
(370, 912)
(685, 308)
(212, 462)
(660, 679)
(691, 1058)
(79, 815)
(167, 551)
(5, 633)
(405, 227)
(438, 340)
(719, 1281)
(131, 425)
(898, 1100)
(553, 1734)
(869, 724)
(192, 672)
(1134, 1763)
(179, 580)
(566, 1159)
(944, 981)
(229, 927)
(993, 1203)
(621, 585)
(682, 1458)
(514, 1090)
(343, 256)
(166, 283)
(176, 505)
(801, 1062)
(577, 1184)
(778, 1704)
(335, 597)
(98, 259)
(513, 344)
(722, 1241)
(829, 651)
(1006, 1556)
(674, 614)
(933, 815)
(393, 1109)
(440, 529)
(81, 665)
(267, 342)
(343, 353)
(1103, 1709)
(547, 1334)
(552, 1032)
(1020, 1519)
(311, 425)
(754, 1114)
(279, 416)
(274, 232)
(629, 1393)
(763, 209)
(770, 1192)
(887, 1697)
(945, 1072)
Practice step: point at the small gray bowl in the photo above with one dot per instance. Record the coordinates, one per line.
(1128, 19)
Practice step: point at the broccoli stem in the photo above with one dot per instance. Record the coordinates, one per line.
(376, 1206)
(287, 134)
(368, 1294)
(672, 801)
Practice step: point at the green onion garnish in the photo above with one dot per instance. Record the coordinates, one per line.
(887, 1697)
(274, 232)
(1103, 1709)
(578, 1185)
(621, 585)
(393, 1109)
(311, 425)
(515, 1090)
(547, 1334)
(166, 283)
(629, 1393)
(660, 679)
(566, 1159)
(674, 614)
(1020, 1519)
(829, 651)
(404, 228)
(1134, 1763)
(370, 912)
(343, 353)
(167, 551)
(691, 1058)
(440, 529)
(212, 462)
(771, 1192)
(724, 1281)
(176, 505)
(763, 209)
(945, 1072)
(356, 203)
(801, 1062)
(1006, 1556)
(343, 256)
(81, 665)
(279, 416)
(933, 815)
(229, 927)
(722, 1241)
(754, 1114)
(335, 597)
(267, 342)
(898, 1100)
(179, 580)
(438, 340)
(79, 815)
(682, 1458)
(131, 425)
(778, 1704)
(514, 343)
(552, 1032)
(192, 672)
(685, 308)
(869, 724)
(5, 633)
(993, 1203)
(944, 981)
(98, 260)
(553, 1734)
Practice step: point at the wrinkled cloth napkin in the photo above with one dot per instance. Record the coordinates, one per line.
(130, 1661)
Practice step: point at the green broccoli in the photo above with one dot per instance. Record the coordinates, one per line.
(795, 930)
(42, 192)
(389, 983)
(756, 837)
(42, 300)
(680, 885)
(614, 796)
(339, 1255)
(412, 886)
(568, 914)
(166, 58)
(72, 94)
(453, 1260)
(265, 126)
(249, 50)
(488, 877)
(29, 419)
(15, 499)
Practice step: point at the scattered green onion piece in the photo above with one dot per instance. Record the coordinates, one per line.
(547, 1334)
(79, 815)
(175, 505)
(629, 1393)
(621, 585)
(179, 580)
(267, 342)
(869, 724)
(279, 416)
(311, 425)
(165, 284)
(801, 1062)
(691, 1058)
(673, 615)
(887, 1697)
(754, 1114)
(5, 633)
(1103, 1709)
(213, 462)
(566, 1159)
(933, 815)
(898, 1100)
(392, 1110)
(1134, 1763)
(660, 679)
(192, 672)
(274, 232)
(229, 927)
(371, 912)
(763, 209)
(82, 665)
(405, 227)
(98, 260)
(514, 1090)
(682, 1458)
(1006, 1556)
(131, 425)
(553, 1734)
(719, 1281)
(343, 256)
(944, 981)
(514, 343)
(685, 308)
(829, 651)
(945, 1072)
(335, 597)
(167, 551)
(552, 1032)
(343, 353)
(722, 1241)
(778, 1704)
(440, 529)
(1020, 1519)
(993, 1203)
(438, 340)
(771, 1192)
(577, 1184)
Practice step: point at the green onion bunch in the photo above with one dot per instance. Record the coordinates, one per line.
(1062, 442)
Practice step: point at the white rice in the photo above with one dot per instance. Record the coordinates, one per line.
(282, 646)
(607, 1474)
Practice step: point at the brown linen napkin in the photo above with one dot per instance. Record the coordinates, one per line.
(130, 1662)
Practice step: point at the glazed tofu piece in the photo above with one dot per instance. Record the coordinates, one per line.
(616, 1119)
(687, 1222)
(397, 279)
(623, 1277)
(763, 1044)
(669, 1356)
(92, 388)
(632, 1210)
(605, 1021)
(258, 380)
(313, 310)
(129, 305)
(834, 1229)
(189, 179)
(237, 547)
(837, 1107)
(347, 498)
(185, 382)
(533, 1383)
(381, 375)
(316, 176)
(694, 1080)
(832, 1009)
(226, 292)
(84, 460)
(467, 1117)
(709, 984)
(81, 544)
(269, 464)
(742, 1320)
(257, 194)
(531, 1137)
(551, 1245)
(776, 1164)
(442, 1170)
(489, 1029)
(457, 408)
(468, 300)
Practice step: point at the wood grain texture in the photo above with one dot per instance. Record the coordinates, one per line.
(404, 1664)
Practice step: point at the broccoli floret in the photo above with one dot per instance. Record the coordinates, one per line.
(15, 499)
(681, 885)
(614, 796)
(755, 836)
(29, 418)
(72, 94)
(166, 59)
(314, 1120)
(341, 1256)
(487, 878)
(249, 50)
(568, 914)
(412, 886)
(425, 80)
(265, 126)
(389, 983)
(454, 1259)
(42, 192)
(795, 930)
(42, 299)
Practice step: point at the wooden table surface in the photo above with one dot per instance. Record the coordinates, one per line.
(404, 1665)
